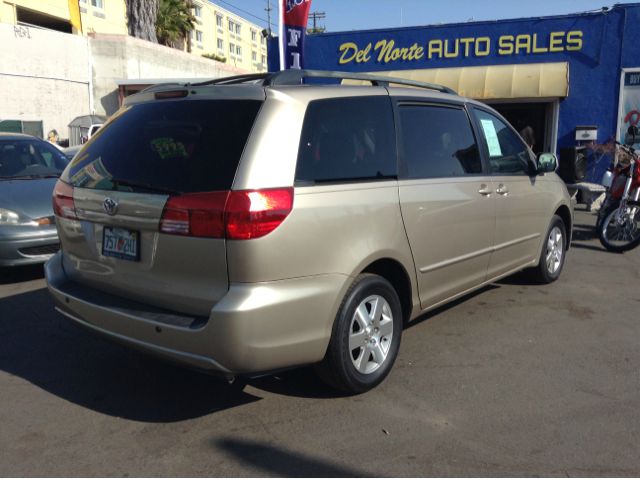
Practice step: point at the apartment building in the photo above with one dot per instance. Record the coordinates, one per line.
(222, 33)
(68, 16)
(218, 32)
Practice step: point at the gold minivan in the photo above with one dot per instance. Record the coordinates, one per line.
(255, 223)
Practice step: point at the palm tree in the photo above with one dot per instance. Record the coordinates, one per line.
(141, 19)
(174, 23)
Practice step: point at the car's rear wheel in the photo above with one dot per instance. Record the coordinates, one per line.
(365, 337)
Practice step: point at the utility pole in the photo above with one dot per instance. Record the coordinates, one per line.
(268, 10)
(317, 16)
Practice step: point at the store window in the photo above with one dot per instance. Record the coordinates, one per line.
(438, 142)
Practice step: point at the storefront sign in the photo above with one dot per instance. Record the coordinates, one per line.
(385, 51)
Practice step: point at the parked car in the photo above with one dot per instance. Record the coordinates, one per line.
(251, 224)
(71, 151)
(29, 169)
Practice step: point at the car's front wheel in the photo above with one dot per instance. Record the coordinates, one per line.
(366, 336)
(553, 253)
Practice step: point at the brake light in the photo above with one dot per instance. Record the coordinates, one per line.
(253, 214)
(195, 214)
(239, 215)
(63, 204)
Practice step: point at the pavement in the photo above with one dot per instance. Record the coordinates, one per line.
(515, 380)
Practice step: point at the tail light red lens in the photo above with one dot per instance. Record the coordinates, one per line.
(63, 204)
(239, 215)
(196, 214)
(253, 214)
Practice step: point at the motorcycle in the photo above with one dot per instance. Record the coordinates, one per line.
(618, 220)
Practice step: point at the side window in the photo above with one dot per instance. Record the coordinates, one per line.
(347, 139)
(507, 152)
(438, 142)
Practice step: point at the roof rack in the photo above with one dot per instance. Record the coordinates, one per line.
(296, 77)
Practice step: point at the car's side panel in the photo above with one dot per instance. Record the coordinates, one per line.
(332, 229)
(522, 218)
(450, 226)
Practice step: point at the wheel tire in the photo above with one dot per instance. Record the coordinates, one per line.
(338, 367)
(604, 212)
(602, 226)
(549, 268)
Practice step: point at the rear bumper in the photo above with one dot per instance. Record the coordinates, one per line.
(23, 250)
(254, 328)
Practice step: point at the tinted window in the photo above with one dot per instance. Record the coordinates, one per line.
(347, 139)
(33, 158)
(181, 146)
(507, 152)
(438, 142)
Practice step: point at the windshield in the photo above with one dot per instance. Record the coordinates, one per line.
(30, 158)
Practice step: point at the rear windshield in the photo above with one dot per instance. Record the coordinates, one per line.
(173, 146)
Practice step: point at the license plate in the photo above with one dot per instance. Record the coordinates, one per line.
(120, 243)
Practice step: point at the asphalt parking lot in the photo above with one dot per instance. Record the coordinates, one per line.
(514, 380)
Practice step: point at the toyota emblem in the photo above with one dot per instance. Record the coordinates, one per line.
(110, 206)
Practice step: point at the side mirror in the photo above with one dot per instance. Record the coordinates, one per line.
(547, 163)
(633, 135)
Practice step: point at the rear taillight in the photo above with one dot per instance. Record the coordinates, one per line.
(63, 204)
(252, 214)
(196, 214)
(238, 215)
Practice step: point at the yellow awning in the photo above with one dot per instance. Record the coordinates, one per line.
(532, 80)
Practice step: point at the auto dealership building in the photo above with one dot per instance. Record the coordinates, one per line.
(551, 73)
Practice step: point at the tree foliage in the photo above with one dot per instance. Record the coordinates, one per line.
(174, 23)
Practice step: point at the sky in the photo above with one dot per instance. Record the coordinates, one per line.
(344, 15)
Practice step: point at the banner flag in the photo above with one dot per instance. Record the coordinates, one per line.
(293, 26)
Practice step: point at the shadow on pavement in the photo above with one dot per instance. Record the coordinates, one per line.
(42, 347)
(300, 382)
(281, 463)
(448, 306)
(20, 274)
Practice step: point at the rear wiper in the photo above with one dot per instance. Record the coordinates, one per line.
(144, 186)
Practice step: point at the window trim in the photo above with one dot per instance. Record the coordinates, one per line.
(399, 102)
(485, 147)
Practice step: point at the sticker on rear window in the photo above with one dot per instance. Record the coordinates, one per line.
(492, 137)
(169, 149)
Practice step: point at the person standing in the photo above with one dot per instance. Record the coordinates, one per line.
(528, 136)
(52, 137)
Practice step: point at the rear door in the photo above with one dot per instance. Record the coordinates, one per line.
(446, 199)
(122, 180)
(522, 206)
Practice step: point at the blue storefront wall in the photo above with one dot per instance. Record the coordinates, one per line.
(596, 46)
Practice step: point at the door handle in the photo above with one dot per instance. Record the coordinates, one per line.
(502, 190)
(484, 190)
